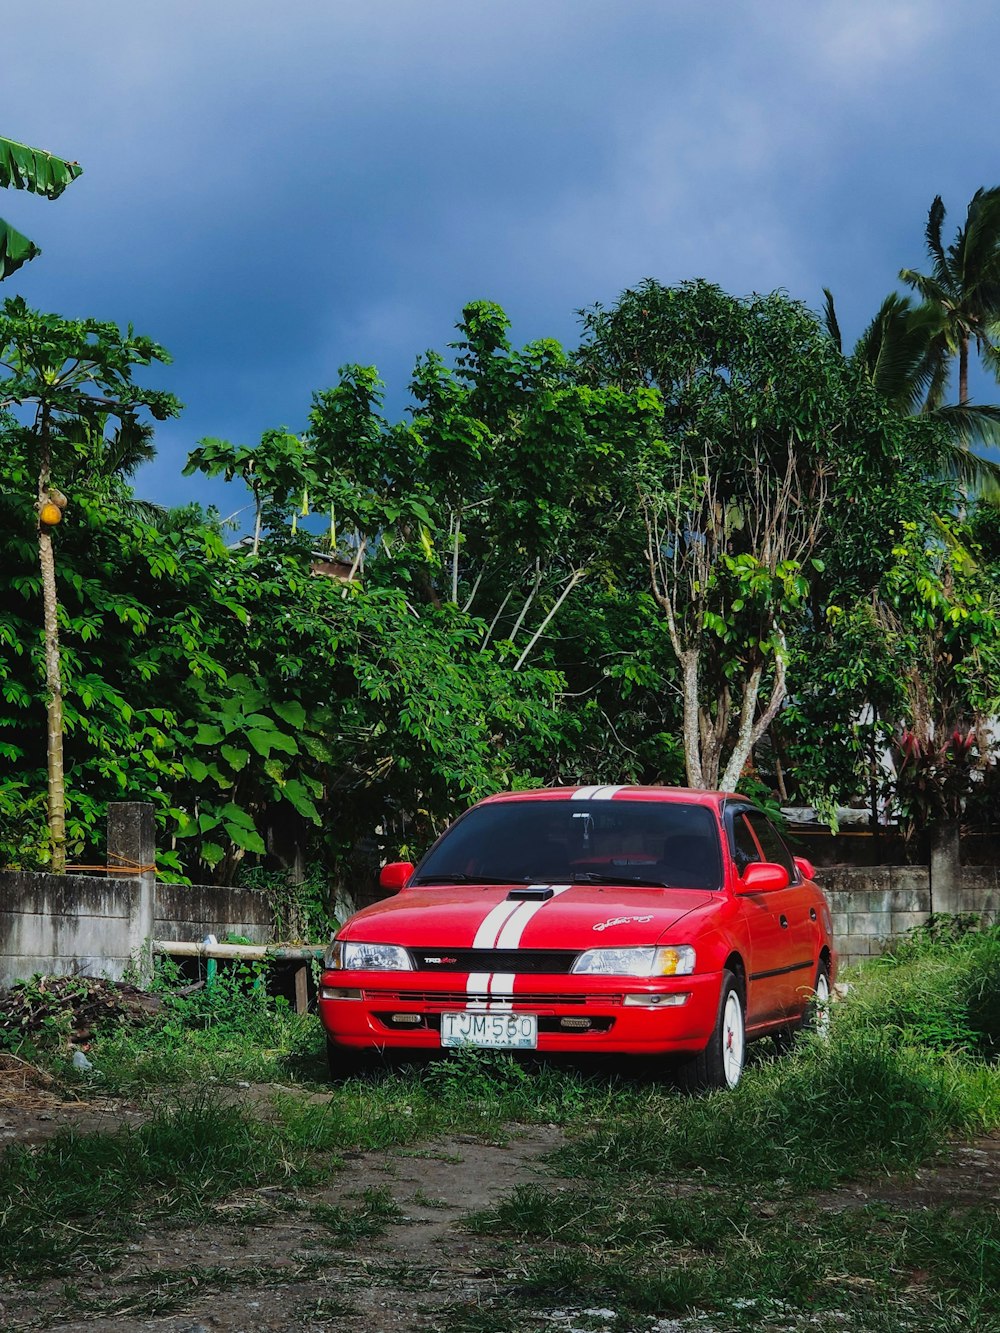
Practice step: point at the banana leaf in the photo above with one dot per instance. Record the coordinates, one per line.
(15, 250)
(24, 168)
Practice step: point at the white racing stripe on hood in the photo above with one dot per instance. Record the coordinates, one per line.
(510, 936)
(489, 928)
(596, 793)
(504, 931)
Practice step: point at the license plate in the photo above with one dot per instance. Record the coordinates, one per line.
(505, 1031)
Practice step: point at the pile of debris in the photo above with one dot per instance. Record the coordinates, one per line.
(21, 1082)
(68, 1010)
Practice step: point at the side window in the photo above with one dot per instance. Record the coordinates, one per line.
(745, 849)
(771, 845)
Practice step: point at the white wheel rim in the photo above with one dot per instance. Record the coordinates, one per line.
(732, 1040)
(821, 1004)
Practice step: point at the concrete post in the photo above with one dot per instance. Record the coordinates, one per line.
(132, 853)
(945, 868)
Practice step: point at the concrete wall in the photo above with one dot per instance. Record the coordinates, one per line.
(89, 926)
(871, 904)
(190, 912)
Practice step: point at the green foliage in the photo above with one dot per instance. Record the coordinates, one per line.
(939, 988)
(773, 469)
(32, 169)
(22, 821)
(366, 1217)
(499, 628)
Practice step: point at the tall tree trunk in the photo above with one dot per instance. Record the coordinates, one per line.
(692, 738)
(53, 674)
(963, 371)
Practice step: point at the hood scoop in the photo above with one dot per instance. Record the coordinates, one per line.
(533, 893)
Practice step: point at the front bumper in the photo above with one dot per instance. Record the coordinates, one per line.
(628, 1015)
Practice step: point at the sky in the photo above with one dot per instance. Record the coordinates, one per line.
(274, 190)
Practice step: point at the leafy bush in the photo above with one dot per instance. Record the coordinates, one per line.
(938, 988)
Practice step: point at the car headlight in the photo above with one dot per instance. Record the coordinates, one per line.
(357, 956)
(676, 961)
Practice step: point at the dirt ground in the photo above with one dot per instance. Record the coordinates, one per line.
(266, 1266)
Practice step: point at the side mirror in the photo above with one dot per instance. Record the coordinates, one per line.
(394, 875)
(763, 877)
(805, 868)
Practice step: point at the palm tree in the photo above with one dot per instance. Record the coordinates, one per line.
(108, 461)
(962, 291)
(899, 352)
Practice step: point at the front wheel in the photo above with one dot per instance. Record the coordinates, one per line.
(720, 1064)
(345, 1061)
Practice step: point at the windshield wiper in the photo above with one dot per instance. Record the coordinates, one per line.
(589, 877)
(467, 879)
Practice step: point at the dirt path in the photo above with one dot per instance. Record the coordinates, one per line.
(282, 1259)
(275, 1266)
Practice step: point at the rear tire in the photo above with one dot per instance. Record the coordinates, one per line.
(720, 1064)
(817, 1015)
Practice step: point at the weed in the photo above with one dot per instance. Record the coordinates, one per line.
(938, 989)
(369, 1216)
(80, 1195)
(420, 1199)
(834, 1110)
(228, 1032)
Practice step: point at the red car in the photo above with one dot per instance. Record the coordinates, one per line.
(639, 920)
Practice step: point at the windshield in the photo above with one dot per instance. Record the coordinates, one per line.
(648, 843)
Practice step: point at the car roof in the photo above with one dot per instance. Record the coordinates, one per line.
(613, 792)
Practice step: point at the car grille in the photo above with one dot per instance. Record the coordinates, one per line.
(494, 960)
(460, 998)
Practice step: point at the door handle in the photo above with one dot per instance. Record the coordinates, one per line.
(812, 914)
(784, 921)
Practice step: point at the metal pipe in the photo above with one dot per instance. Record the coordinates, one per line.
(198, 949)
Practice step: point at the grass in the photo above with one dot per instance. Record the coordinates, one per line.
(660, 1256)
(362, 1217)
(713, 1205)
(731, 1204)
(75, 1198)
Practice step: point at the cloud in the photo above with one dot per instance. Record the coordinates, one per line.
(273, 191)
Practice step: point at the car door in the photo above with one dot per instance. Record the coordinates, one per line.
(776, 968)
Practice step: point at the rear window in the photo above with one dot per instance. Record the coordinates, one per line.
(559, 842)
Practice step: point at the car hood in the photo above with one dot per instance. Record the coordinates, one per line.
(579, 916)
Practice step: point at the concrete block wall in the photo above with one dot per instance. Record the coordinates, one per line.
(190, 912)
(873, 904)
(77, 925)
(67, 924)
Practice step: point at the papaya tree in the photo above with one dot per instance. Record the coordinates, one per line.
(55, 373)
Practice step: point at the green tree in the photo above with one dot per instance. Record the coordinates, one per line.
(772, 461)
(58, 373)
(32, 169)
(962, 290)
(899, 353)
